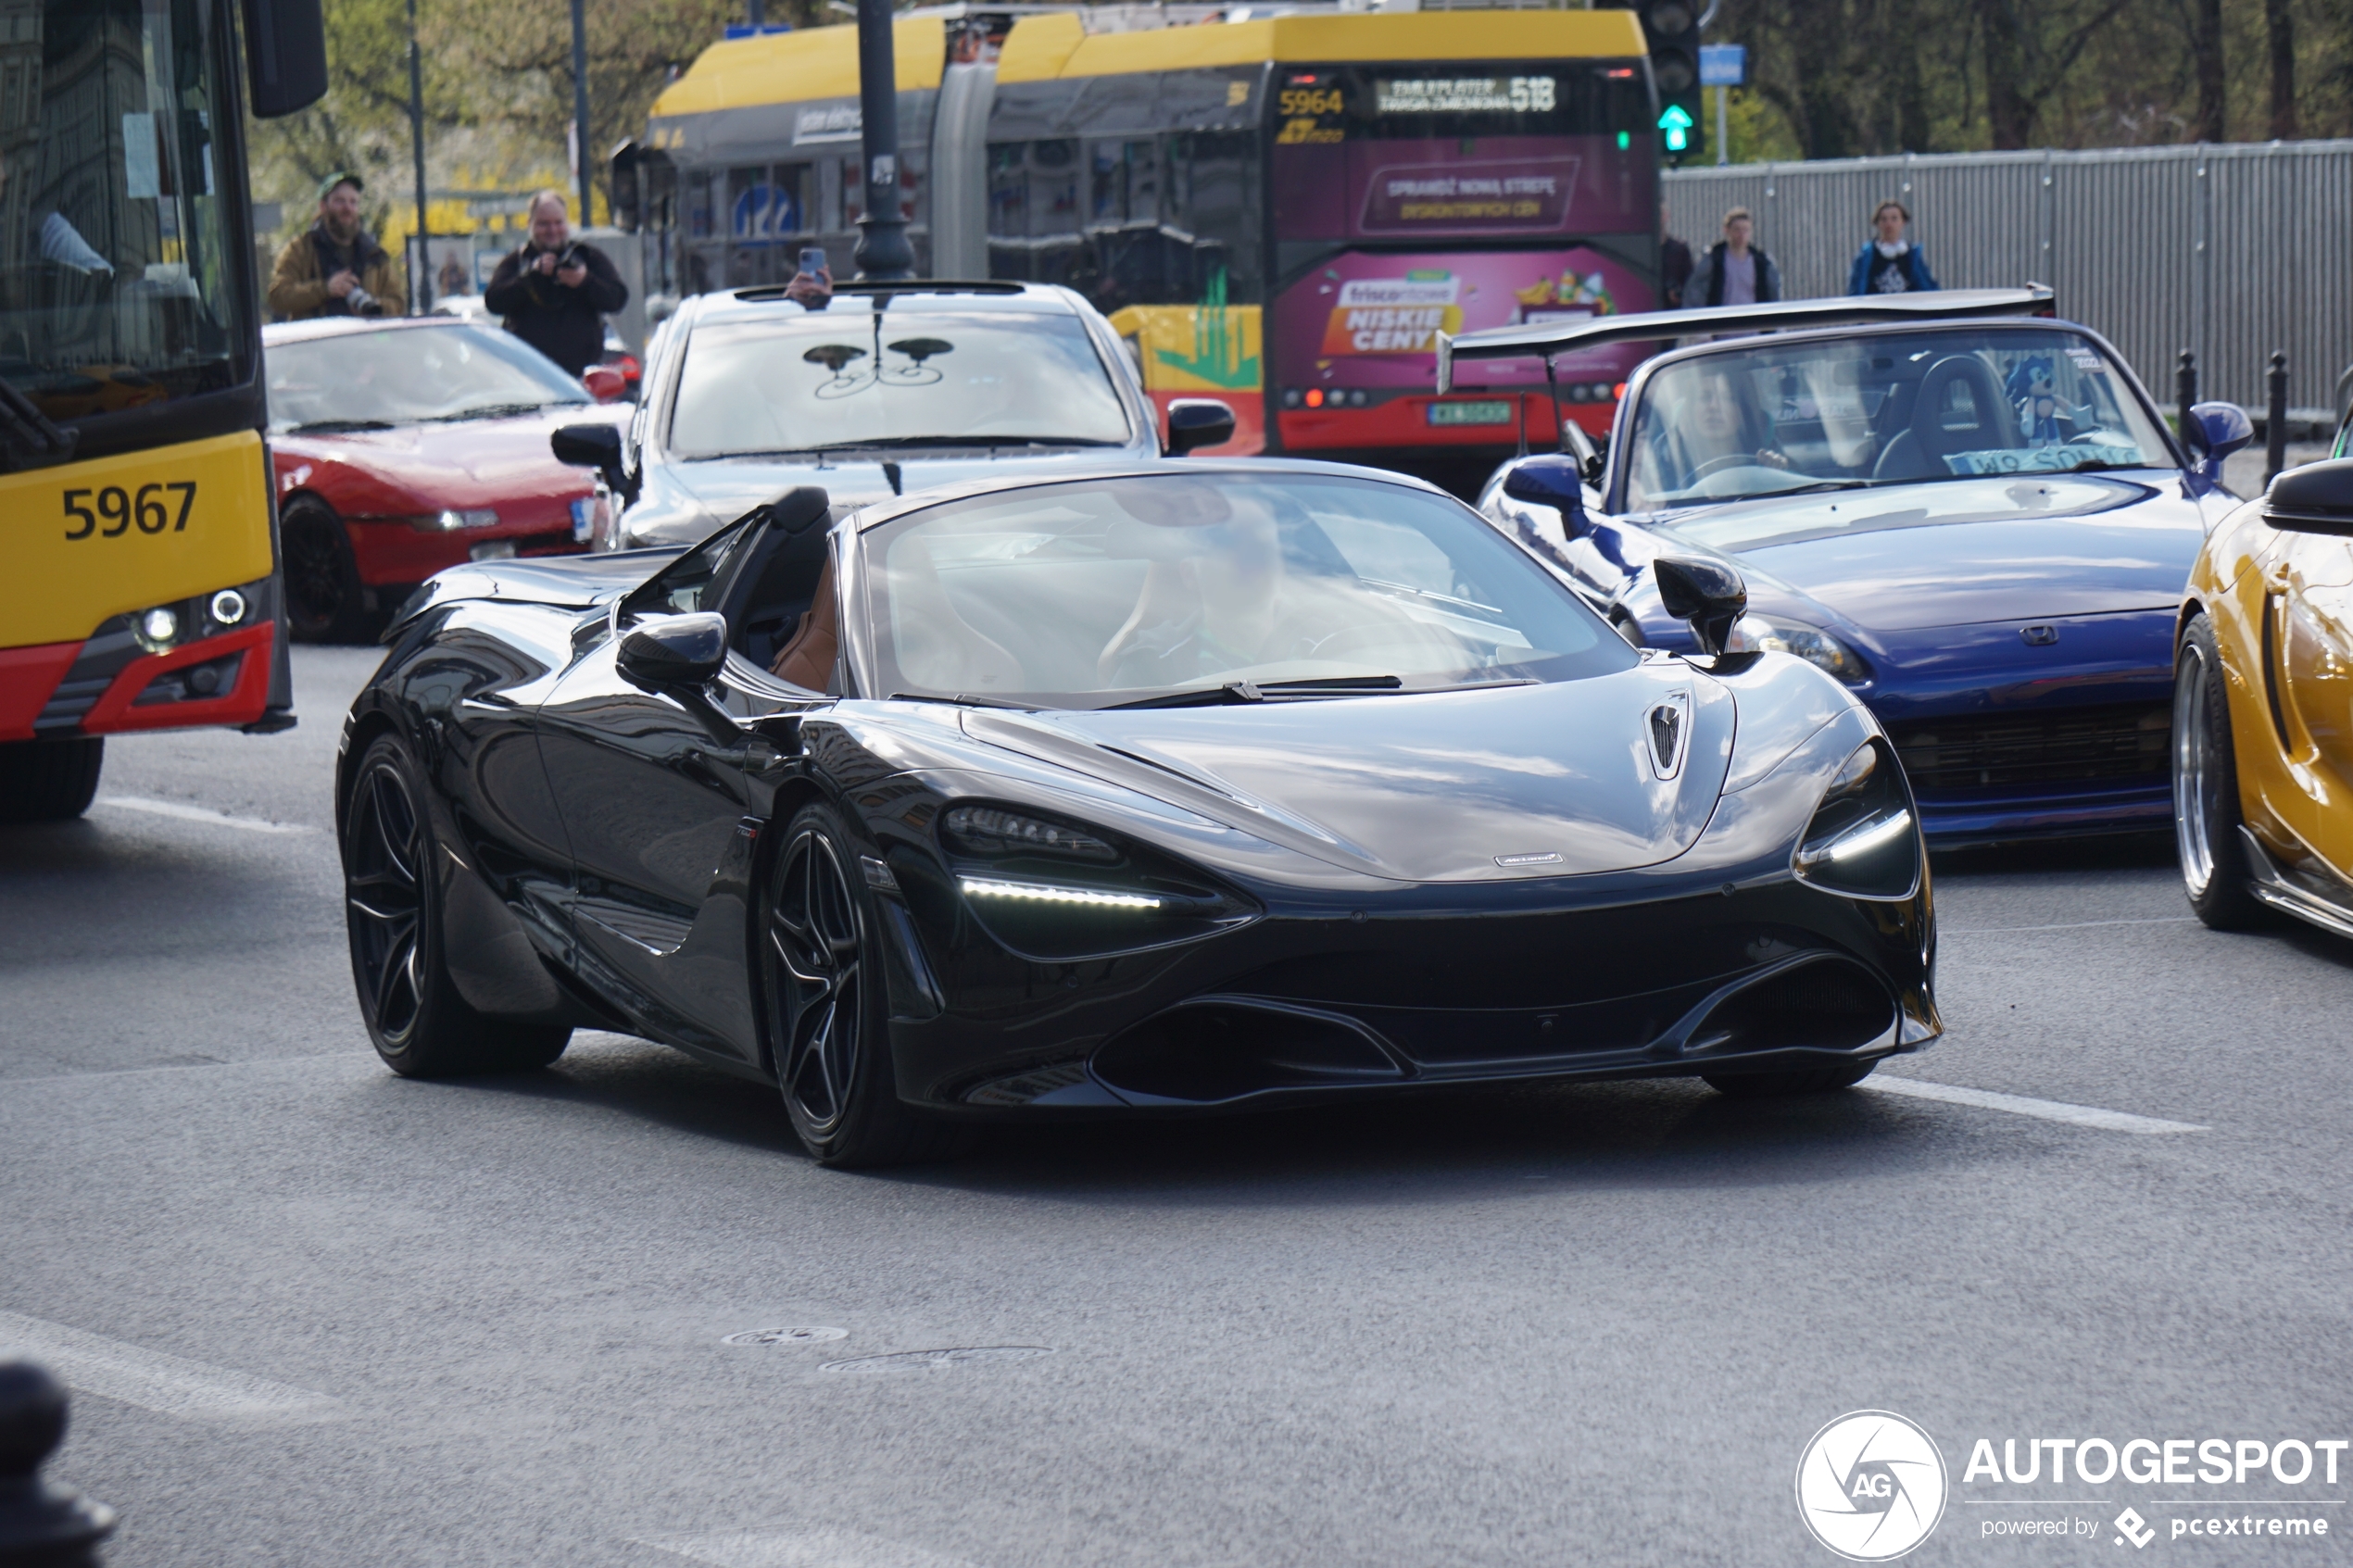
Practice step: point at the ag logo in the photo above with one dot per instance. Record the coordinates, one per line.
(1871, 1486)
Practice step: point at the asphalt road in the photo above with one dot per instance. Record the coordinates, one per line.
(319, 1315)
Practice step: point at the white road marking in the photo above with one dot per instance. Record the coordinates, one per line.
(2019, 1105)
(153, 1380)
(2066, 925)
(800, 1548)
(200, 814)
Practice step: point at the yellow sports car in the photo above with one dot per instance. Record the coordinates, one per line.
(2263, 707)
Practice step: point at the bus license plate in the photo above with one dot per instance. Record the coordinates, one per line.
(1484, 413)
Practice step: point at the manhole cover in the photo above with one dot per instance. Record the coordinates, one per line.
(924, 1360)
(785, 1337)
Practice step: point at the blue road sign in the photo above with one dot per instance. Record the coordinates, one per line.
(1723, 64)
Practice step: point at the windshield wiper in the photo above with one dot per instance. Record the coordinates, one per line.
(964, 699)
(902, 443)
(495, 410)
(1334, 685)
(335, 427)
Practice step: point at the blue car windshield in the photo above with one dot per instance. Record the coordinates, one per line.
(1882, 409)
(1090, 593)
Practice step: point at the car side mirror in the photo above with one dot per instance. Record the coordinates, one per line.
(1551, 482)
(1706, 594)
(2316, 499)
(591, 447)
(1198, 422)
(605, 383)
(2222, 429)
(675, 650)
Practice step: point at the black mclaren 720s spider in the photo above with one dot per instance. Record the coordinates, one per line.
(1141, 790)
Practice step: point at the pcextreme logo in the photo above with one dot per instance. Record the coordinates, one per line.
(1871, 1486)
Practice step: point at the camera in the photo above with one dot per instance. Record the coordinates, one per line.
(363, 303)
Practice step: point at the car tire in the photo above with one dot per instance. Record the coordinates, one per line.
(326, 601)
(827, 1009)
(1802, 1081)
(49, 781)
(420, 1025)
(2207, 818)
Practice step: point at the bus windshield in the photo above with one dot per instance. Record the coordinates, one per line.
(117, 288)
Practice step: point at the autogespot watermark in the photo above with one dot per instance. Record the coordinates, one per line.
(1872, 1484)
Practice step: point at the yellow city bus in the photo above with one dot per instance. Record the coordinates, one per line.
(134, 484)
(1278, 205)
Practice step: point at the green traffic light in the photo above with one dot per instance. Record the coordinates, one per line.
(1675, 123)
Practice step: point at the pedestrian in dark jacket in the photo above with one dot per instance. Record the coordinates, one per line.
(1888, 263)
(1734, 271)
(555, 291)
(1674, 265)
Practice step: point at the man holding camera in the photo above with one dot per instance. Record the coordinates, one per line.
(336, 267)
(555, 291)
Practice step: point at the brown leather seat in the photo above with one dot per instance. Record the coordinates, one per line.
(807, 658)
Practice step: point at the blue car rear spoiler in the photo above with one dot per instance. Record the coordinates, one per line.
(1550, 338)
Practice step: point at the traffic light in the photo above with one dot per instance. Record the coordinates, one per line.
(1671, 27)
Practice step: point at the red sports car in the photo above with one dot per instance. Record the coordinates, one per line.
(405, 446)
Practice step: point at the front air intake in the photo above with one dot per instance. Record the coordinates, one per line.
(1224, 1049)
(1830, 1004)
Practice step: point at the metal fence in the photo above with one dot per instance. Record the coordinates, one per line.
(2230, 251)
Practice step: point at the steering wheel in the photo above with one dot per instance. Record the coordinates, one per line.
(1729, 460)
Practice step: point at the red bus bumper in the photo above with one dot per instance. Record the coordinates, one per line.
(1405, 421)
(55, 690)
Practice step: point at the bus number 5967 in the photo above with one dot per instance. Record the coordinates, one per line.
(122, 510)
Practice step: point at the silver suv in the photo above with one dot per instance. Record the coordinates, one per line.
(884, 389)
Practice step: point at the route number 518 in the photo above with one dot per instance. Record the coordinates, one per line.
(120, 508)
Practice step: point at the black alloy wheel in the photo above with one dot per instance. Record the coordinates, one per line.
(828, 1035)
(326, 601)
(1801, 1081)
(420, 1025)
(2206, 787)
(49, 781)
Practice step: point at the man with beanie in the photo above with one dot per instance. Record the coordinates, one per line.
(336, 268)
(1734, 271)
(1889, 263)
(555, 291)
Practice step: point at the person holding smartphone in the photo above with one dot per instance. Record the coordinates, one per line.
(812, 287)
(555, 290)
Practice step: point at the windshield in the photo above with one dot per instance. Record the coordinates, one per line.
(1093, 593)
(410, 375)
(1882, 409)
(117, 289)
(849, 376)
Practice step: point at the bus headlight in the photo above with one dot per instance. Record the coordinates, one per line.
(227, 607)
(157, 629)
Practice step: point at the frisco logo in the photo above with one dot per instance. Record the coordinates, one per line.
(1392, 315)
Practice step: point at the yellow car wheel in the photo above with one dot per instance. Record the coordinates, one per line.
(2206, 787)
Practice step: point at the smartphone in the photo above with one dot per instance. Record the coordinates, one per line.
(813, 261)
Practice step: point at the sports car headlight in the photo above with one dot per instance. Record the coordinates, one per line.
(1863, 840)
(451, 521)
(1769, 633)
(993, 832)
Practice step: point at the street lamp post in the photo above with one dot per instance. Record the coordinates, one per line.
(580, 105)
(883, 252)
(417, 149)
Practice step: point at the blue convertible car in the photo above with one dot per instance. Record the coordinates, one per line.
(1967, 511)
